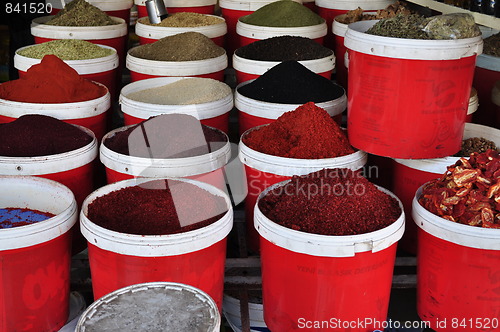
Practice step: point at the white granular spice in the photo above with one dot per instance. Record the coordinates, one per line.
(187, 91)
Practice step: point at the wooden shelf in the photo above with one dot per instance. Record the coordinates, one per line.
(482, 19)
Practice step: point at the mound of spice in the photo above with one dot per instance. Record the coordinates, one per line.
(475, 144)
(284, 48)
(35, 135)
(491, 45)
(16, 217)
(167, 136)
(330, 202)
(66, 49)
(187, 91)
(356, 15)
(290, 82)
(468, 192)
(51, 81)
(308, 132)
(283, 13)
(158, 207)
(185, 19)
(187, 46)
(80, 13)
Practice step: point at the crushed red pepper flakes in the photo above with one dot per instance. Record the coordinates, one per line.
(157, 207)
(468, 192)
(330, 202)
(308, 132)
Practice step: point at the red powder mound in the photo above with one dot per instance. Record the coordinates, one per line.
(157, 208)
(330, 202)
(51, 81)
(308, 132)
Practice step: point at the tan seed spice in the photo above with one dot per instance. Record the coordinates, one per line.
(491, 45)
(187, 46)
(187, 91)
(185, 19)
(80, 13)
(66, 49)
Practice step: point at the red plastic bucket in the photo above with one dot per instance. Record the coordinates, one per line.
(214, 114)
(495, 98)
(458, 273)
(103, 70)
(486, 74)
(308, 278)
(74, 169)
(150, 33)
(418, 93)
(206, 168)
(35, 259)
(254, 113)
(117, 8)
(263, 170)
(115, 36)
(311, 5)
(91, 114)
(248, 33)
(409, 175)
(247, 69)
(329, 9)
(174, 6)
(195, 258)
(141, 69)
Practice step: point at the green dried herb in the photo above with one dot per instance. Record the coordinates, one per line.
(400, 26)
(491, 45)
(66, 49)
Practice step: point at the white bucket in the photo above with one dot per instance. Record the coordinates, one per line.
(164, 306)
(209, 113)
(350, 5)
(473, 104)
(231, 308)
(35, 259)
(252, 32)
(104, 5)
(150, 33)
(246, 5)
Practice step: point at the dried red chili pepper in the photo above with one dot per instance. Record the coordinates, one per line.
(468, 192)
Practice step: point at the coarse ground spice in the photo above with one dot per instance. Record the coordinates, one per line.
(14, 217)
(66, 49)
(80, 13)
(491, 45)
(475, 144)
(157, 207)
(167, 136)
(187, 46)
(185, 19)
(35, 135)
(283, 13)
(330, 202)
(401, 26)
(187, 91)
(51, 81)
(308, 132)
(357, 14)
(284, 48)
(290, 82)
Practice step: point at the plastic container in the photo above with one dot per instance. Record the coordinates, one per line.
(195, 258)
(253, 113)
(151, 33)
(165, 306)
(486, 74)
(495, 98)
(311, 5)
(329, 9)
(409, 175)
(91, 114)
(214, 114)
(117, 8)
(35, 259)
(74, 169)
(247, 69)
(313, 278)
(417, 104)
(206, 168)
(232, 312)
(103, 70)
(249, 33)
(174, 6)
(263, 170)
(141, 69)
(461, 260)
(115, 35)
(473, 105)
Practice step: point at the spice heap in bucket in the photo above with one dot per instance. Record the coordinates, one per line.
(185, 19)
(81, 13)
(319, 236)
(459, 236)
(66, 49)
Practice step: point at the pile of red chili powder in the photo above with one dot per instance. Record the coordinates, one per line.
(308, 132)
(330, 202)
(51, 81)
(157, 207)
